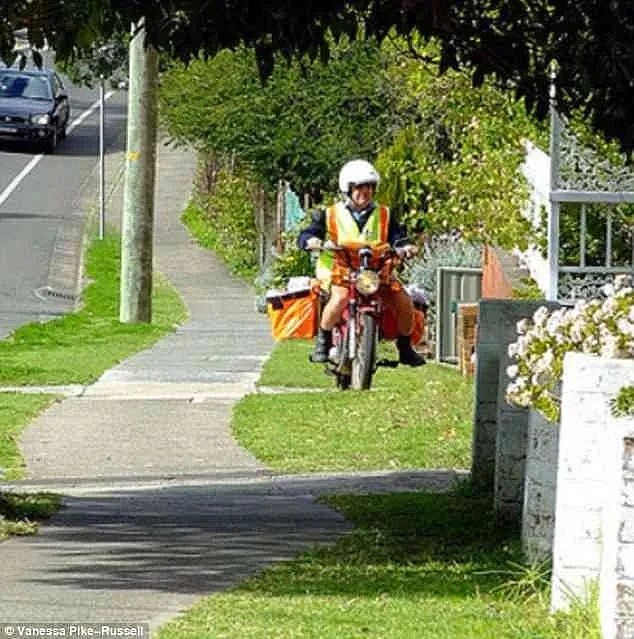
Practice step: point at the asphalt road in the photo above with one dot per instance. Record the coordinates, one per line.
(44, 205)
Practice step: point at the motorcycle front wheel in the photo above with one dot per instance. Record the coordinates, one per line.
(364, 362)
(341, 368)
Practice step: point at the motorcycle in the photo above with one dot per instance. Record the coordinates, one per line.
(369, 267)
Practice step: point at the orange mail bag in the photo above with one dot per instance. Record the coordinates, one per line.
(293, 315)
(389, 327)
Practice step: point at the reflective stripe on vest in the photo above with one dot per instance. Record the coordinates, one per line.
(341, 227)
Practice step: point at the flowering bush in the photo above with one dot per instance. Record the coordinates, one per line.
(603, 327)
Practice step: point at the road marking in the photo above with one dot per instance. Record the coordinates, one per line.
(35, 160)
(77, 121)
(4, 196)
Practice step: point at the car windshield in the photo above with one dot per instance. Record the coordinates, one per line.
(33, 87)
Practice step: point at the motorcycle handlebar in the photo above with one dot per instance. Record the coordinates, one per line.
(329, 245)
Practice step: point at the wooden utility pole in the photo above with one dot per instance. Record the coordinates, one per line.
(138, 194)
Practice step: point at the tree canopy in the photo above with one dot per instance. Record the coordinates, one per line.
(299, 126)
(513, 41)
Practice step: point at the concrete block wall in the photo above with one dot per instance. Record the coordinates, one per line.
(499, 436)
(510, 452)
(587, 482)
(540, 488)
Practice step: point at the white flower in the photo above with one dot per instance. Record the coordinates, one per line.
(608, 290)
(597, 327)
(540, 316)
(576, 330)
(609, 345)
(522, 346)
(590, 345)
(626, 326)
(555, 321)
(546, 361)
(609, 306)
(622, 281)
(522, 327)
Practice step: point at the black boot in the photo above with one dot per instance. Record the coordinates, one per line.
(406, 354)
(323, 342)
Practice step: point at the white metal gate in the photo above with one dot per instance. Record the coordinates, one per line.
(580, 177)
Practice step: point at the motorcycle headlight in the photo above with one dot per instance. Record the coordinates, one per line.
(42, 119)
(368, 282)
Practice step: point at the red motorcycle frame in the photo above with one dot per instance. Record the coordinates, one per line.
(369, 267)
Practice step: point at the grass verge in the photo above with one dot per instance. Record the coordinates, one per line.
(413, 418)
(229, 234)
(416, 566)
(20, 514)
(16, 410)
(79, 347)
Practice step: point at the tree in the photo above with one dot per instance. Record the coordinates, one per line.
(511, 40)
(300, 126)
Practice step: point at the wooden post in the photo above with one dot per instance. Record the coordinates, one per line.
(279, 217)
(138, 195)
(261, 225)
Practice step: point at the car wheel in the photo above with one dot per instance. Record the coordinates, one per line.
(62, 133)
(51, 144)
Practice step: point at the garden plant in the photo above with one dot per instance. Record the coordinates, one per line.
(601, 327)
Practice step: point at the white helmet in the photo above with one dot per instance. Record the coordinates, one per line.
(357, 172)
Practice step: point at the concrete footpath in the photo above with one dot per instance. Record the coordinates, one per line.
(161, 505)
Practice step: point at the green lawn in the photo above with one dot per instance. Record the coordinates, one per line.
(19, 514)
(416, 566)
(412, 418)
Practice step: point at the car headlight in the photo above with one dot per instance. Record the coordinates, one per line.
(42, 119)
(368, 282)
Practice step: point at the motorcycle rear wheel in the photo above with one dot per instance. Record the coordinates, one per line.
(364, 362)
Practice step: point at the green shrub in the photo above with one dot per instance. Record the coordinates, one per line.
(224, 222)
(527, 289)
(292, 262)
